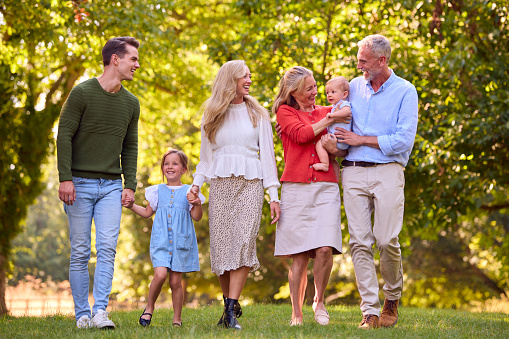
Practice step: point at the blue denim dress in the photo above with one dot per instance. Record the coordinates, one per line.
(173, 242)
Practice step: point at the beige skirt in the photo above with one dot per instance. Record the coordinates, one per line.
(235, 211)
(310, 218)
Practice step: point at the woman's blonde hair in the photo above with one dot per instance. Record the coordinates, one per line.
(224, 90)
(292, 81)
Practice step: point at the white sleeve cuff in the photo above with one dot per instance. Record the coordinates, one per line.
(273, 194)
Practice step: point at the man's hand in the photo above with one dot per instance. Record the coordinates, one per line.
(127, 197)
(67, 192)
(348, 137)
(128, 203)
(329, 142)
(352, 139)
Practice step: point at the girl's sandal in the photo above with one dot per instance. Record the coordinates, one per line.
(177, 324)
(145, 322)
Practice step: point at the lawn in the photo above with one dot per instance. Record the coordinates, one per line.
(268, 321)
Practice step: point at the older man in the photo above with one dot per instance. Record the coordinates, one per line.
(384, 114)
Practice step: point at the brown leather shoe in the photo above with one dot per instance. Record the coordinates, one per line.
(389, 316)
(369, 321)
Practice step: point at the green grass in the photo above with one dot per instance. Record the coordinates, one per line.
(268, 321)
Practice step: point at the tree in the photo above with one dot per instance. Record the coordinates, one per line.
(28, 82)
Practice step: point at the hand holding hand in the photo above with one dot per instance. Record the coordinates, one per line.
(128, 203)
(195, 189)
(127, 195)
(193, 198)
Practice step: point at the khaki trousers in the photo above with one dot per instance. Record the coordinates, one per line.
(375, 190)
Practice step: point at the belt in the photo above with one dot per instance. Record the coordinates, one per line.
(347, 163)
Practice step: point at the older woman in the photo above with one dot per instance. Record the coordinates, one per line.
(237, 158)
(310, 225)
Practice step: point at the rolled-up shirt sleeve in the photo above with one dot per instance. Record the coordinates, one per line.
(403, 140)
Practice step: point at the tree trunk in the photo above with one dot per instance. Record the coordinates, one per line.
(3, 283)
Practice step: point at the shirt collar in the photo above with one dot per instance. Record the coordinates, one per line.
(386, 84)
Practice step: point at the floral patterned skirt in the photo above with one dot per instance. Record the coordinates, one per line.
(235, 211)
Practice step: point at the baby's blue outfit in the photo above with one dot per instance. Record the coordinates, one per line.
(173, 243)
(348, 127)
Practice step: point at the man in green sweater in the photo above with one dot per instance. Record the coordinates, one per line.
(98, 142)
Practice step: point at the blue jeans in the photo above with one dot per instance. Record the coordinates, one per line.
(100, 200)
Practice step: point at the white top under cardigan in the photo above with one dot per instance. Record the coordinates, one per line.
(240, 150)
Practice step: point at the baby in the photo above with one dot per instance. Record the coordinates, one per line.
(337, 90)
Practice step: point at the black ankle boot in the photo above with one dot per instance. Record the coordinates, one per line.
(221, 320)
(237, 309)
(230, 318)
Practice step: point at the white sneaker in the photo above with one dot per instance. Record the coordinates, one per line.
(101, 320)
(84, 322)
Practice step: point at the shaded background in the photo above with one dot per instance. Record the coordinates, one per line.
(455, 238)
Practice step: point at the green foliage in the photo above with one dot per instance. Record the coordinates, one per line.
(42, 248)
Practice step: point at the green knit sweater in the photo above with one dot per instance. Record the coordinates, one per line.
(98, 134)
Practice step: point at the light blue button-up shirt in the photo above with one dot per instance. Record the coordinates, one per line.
(390, 114)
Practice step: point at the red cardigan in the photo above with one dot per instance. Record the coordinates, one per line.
(299, 144)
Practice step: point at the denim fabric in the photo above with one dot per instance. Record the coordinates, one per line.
(98, 200)
(173, 242)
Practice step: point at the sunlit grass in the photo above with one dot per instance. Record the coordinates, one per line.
(267, 321)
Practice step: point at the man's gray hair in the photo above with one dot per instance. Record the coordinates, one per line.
(378, 44)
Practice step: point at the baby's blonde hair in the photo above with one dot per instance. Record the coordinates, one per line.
(341, 82)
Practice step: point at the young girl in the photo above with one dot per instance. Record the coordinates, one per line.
(173, 246)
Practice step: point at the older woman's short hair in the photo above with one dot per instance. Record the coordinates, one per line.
(292, 80)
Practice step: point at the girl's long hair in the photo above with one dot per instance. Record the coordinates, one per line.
(224, 90)
(292, 81)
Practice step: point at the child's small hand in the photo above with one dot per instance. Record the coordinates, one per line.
(193, 199)
(128, 203)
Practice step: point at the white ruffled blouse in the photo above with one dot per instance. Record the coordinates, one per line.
(240, 150)
(152, 195)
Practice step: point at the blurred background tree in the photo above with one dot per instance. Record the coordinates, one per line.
(455, 238)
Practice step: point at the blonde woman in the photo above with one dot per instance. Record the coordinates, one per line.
(310, 225)
(237, 158)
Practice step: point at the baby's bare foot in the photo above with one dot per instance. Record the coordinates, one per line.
(321, 167)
